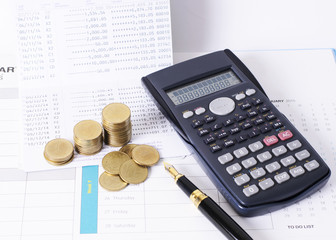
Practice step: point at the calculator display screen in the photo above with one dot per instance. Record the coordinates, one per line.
(203, 87)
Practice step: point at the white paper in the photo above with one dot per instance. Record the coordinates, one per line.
(77, 57)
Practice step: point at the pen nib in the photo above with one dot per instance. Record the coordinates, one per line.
(170, 168)
(167, 165)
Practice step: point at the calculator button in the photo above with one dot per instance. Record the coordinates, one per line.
(245, 106)
(234, 168)
(279, 150)
(277, 125)
(294, 145)
(229, 143)
(242, 179)
(225, 158)
(215, 148)
(188, 114)
(250, 92)
(257, 102)
(269, 141)
(255, 146)
(197, 123)
(266, 128)
(258, 121)
(228, 122)
(235, 130)
(241, 138)
(264, 109)
(288, 161)
(221, 134)
(247, 125)
(267, 183)
(310, 166)
(285, 135)
(265, 156)
(241, 152)
(209, 139)
(199, 110)
(272, 167)
(209, 119)
(216, 127)
(295, 172)
(203, 132)
(281, 177)
(270, 117)
(222, 106)
(258, 173)
(240, 118)
(251, 190)
(251, 114)
(250, 162)
(240, 96)
(304, 154)
(253, 133)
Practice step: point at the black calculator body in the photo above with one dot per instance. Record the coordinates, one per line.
(256, 158)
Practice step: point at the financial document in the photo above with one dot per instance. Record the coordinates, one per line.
(76, 57)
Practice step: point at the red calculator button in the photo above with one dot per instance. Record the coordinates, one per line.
(271, 140)
(285, 135)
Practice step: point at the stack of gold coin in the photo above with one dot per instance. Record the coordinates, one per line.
(121, 169)
(59, 151)
(116, 118)
(88, 137)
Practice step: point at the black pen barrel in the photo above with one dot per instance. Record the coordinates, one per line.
(186, 185)
(222, 220)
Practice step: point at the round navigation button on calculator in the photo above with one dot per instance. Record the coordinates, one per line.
(222, 106)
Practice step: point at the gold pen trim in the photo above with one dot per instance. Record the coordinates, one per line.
(197, 197)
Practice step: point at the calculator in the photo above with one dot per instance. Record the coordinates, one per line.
(252, 153)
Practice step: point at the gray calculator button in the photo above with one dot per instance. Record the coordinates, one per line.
(242, 179)
(295, 172)
(250, 91)
(188, 114)
(262, 157)
(250, 162)
(288, 161)
(200, 110)
(272, 167)
(255, 146)
(279, 150)
(282, 177)
(294, 145)
(251, 190)
(257, 173)
(225, 158)
(233, 168)
(222, 106)
(267, 183)
(241, 152)
(240, 96)
(310, 166)
(302, 155)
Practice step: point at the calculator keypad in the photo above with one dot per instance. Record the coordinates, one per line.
(276, 158)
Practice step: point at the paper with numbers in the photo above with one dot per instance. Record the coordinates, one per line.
(76, 57)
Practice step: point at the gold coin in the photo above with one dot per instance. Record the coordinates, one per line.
(59, 163)
(131, 172)
(87, 130)
(128, 149)
(116, 113)
(113, 160)
(59, 150)
(111, 182)
(145, 155)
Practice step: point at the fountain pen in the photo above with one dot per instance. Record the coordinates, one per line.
(208, 207)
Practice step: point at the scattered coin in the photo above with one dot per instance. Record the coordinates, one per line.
(128, 149)
(113, 160)
(111, 182)
(131, 172)
(145, 155)
(59, 151)
(88, 137)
